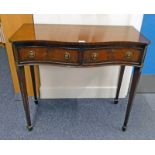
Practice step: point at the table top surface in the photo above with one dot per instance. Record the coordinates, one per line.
(78, 33)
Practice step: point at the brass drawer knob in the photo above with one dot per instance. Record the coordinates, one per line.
(31, 54)
(128, 55)
(94, 56)
(67, 56)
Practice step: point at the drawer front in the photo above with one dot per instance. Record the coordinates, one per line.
(32, 54)
(124, 55)
(73, 56)
(44, 54)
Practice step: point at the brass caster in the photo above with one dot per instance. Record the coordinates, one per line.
(115, 101)
(124, 128)
(30, 127)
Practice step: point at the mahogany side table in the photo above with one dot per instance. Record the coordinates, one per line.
(78, 46)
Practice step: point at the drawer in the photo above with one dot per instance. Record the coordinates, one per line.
(32, 53)
(125, 55)
(44, 54)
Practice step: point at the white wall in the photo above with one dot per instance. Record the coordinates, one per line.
(99, 82)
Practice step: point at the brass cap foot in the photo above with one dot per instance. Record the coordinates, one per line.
(36, 101)
(115, 101)
(124, 128)
(30, 127)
